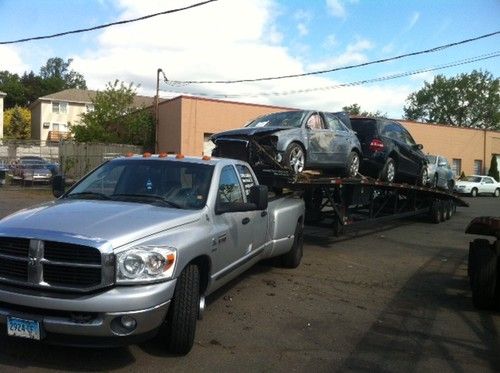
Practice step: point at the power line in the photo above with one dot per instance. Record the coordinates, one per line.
(351, 84)
(431, 50)
(107, 24)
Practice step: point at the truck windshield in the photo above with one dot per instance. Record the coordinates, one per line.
(183, 185)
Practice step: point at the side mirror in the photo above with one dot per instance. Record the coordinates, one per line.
(418, 146)
(58, 185)
(442, 164)
(259, 196)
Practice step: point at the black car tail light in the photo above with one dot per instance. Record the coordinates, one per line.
(376, 145)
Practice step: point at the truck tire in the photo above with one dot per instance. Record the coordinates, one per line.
(484, 263)
(183, 311)
(435, 212)
(447, 210)
(292, 258)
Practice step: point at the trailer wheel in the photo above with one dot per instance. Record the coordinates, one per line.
(435, 212)
(292, 258)
(183, 311)
(447, 208)
(484, 274)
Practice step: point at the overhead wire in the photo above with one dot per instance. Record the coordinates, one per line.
(426, 51)
(350, 84)
(107, 24)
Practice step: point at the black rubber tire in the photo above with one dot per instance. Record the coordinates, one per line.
(422, 177)
(447, 210)
(497, 192)
(435, 212)
(352, 165)
(473, 192)
(484, 275)
(183, 311)
(386, 174)
(292, 258)
(291, 150)
(473, 246)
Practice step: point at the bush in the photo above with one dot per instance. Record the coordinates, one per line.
(493, 172)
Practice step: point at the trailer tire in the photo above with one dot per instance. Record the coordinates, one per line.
(292, 258)
(447, 208)
(484, 274)
(435, 212)
(183, 311)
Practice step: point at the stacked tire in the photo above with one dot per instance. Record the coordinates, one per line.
(483, 273)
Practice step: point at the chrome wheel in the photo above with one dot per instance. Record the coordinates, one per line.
(390, 173)
(296, 159)
(353, 164)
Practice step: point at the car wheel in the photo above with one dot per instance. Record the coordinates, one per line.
(183, 311)
(435, 181)
(423, 176)
(292, 258)
(352, 164)
(295, 158)
(484, 275)
(389, 171)
(473, 192)
(497, 193)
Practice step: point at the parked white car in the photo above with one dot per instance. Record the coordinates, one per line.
(478, 184)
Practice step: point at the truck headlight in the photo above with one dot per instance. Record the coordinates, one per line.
(145, 264)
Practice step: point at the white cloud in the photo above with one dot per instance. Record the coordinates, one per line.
(413, 21)
(302, 29)
(336, 8)
(330, 41)
(353, 54)
(10, 60)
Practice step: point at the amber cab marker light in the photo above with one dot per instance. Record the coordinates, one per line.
(206, 158)
(146, 155)
(129, 154)
(179, 156)
(162, 155)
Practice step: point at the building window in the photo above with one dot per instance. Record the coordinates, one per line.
(59, 107)
(55, 126)
(456, 166)
(478, 167)
(46, 124)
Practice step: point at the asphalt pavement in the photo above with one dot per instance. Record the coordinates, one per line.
(393, 298)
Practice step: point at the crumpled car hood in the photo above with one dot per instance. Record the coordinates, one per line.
(250, 131)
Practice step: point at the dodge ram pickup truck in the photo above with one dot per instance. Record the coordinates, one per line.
(135, 247)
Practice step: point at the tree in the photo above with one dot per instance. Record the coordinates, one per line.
(115, 119)
(467, 100)
(11, 85)
(493, 171)
(17, 123)
(355, 110)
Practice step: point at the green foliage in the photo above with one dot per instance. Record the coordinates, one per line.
(17, 123)
(355, 110)
(54, 76)
(115, 119)
(493, 172)
(467, 100)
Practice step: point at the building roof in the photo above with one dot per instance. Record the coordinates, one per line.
(85, 96)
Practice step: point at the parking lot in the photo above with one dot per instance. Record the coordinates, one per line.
(392, 298)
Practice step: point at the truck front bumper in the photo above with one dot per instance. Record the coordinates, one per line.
(121, 315)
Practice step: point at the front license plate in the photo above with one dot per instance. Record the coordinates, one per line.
(23, 328)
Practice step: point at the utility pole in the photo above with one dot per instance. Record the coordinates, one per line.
(157, 109)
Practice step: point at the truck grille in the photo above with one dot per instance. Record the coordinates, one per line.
(54, 265)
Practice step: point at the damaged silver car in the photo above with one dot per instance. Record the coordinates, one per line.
(294, 140)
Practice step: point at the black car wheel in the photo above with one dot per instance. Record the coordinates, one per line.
(473, 192)
(292, 258)
(497, 192)
(388, 173)
(423, 176)
(295, 158)
(353, 164)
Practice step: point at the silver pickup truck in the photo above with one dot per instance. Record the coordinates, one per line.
(135, 247)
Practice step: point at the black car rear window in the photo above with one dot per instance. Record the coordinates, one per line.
(365, 128)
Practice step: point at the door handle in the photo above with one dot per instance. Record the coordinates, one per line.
(263, 213)
(245, 221)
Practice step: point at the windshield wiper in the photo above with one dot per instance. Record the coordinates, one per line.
(141, 197)
(88, 195)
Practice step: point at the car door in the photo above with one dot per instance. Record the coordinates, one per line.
(320, 141)
(258, 219)
(415, 156)
(487, 185)
(341, 145)
(232, 238)
(392, 131)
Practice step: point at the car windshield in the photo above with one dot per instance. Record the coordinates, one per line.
(474, 179)
(176, 184)
(431, 158)
(285, 119)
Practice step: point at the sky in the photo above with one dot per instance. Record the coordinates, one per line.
(249, 39)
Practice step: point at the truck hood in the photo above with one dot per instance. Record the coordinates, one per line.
(94, 222)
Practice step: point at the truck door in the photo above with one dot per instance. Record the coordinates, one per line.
(258, 219)
(232, 230)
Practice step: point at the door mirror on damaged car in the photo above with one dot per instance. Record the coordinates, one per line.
(418, 146)
(58, 185)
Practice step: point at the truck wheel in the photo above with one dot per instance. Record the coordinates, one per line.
(447, 213)
(477, 244)
(435, 212)
(292, 258)
(484, 274)
(183, 311)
